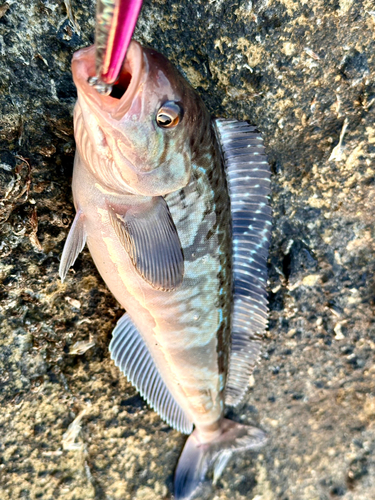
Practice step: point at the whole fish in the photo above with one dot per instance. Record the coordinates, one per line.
(174, 209)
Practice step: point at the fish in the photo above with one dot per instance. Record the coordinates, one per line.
(174, 208)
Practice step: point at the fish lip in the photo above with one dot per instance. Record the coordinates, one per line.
(83, 67)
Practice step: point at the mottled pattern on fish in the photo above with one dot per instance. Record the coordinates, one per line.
(201, 212)
(153, 203)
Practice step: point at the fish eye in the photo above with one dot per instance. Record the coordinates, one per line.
(169, 115)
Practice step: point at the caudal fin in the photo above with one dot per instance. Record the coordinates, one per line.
(196, 457)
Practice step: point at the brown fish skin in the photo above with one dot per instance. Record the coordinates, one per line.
(124, 164)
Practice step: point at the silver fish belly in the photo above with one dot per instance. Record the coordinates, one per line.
(173, 207)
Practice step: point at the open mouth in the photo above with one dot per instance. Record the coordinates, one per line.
(121, 85)
(125, 88)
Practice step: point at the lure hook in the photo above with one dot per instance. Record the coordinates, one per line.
(115, 23)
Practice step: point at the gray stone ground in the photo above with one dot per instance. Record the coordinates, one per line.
(303, 72)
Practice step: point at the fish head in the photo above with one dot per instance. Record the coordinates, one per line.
(144, 134)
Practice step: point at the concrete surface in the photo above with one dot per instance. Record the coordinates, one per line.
(303, 72)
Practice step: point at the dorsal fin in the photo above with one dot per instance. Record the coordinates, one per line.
(74, 244)
(132, 356)
(248, 177)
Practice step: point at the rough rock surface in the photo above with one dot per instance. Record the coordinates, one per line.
(303, 71)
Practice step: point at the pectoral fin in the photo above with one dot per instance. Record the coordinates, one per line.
(74, 244)
(149, 235)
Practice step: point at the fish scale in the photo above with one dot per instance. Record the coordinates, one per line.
(175, 214)
(209, 181)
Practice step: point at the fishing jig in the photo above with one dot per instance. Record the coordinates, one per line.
(115, 23)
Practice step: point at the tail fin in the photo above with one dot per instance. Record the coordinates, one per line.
(196, 457)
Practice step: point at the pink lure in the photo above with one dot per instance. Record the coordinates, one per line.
(124, 19)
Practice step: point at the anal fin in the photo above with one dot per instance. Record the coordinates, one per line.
(131, 355)
(248, 177)
(74, 244)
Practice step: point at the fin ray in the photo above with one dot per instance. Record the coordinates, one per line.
(149, 235)
(197, 457)
(74, 244)
(248, 177)
(132, 356)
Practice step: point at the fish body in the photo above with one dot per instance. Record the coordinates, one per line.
(153, 204)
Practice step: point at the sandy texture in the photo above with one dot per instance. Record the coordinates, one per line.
(303, 72)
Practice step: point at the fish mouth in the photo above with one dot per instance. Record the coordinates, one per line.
(125, 88)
